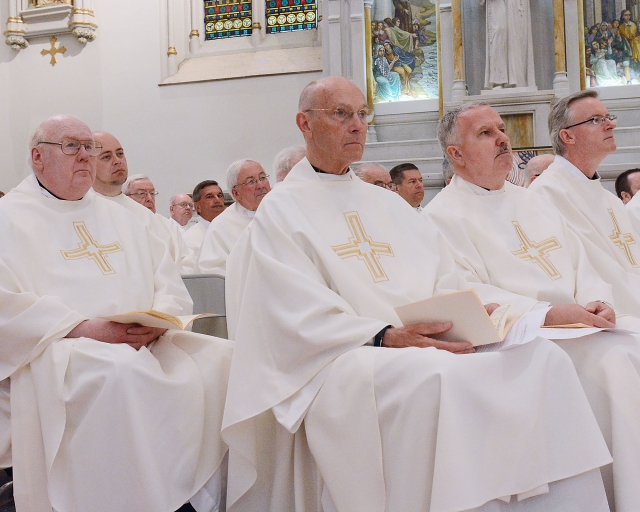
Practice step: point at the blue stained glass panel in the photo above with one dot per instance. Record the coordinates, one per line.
(288, 15)
(227, 18)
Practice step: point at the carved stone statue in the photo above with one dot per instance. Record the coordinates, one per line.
(41, 3)
(509, 44)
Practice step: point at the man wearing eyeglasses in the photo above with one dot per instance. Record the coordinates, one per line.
(105, 416)
(181, 210)
(375, 174)
(311, 289)
(249, 184)
(581, 132)
(141, 189)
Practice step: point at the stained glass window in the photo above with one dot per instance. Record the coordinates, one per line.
(227, 18)
(289, 15)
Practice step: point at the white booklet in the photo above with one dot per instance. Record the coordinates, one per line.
(153, 318)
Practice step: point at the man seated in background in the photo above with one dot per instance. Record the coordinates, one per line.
(285, 160)
(408, 181)
(140, 188)
(517, 241)
(181, 211)
(317, 415)
(208, 200)
(628, 184)
(248, 184)
(99, 417)
(375, 174)
(536, 166)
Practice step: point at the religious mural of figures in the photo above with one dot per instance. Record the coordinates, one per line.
(41, 3)
(612, 42)
(404, 50)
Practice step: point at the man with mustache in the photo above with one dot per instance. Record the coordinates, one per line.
(516, 240)
(321, 399)
(581, 131)
(208, 200)
(248, 184)
(112, 172)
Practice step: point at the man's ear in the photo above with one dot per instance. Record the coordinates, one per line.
(234, 193)
(566, 137)
(626, 197)
(302, 120)
(36, 158)
(455, 155)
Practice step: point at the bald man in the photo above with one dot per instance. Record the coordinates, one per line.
(375, 174)
(536, 166)
(318, 378)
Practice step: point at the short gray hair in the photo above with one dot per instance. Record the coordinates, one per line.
(361, 170)
(447, 129)
(447, 170)
(284, 161)
(41, 134)
(560, 117)
(131, 179)
(234, 170)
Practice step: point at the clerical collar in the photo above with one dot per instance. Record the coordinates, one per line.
(478, 190)
(575, 172)
(204, 221)
(325, 172)
(245, 212)
(47, 193)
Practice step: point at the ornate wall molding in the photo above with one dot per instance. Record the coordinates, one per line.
(36, 18)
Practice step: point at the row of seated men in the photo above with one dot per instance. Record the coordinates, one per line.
(322, 400)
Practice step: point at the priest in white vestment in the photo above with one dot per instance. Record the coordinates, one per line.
(105, 416)
(318, 419)
(181, 211)
(111, 173)
(208, 200)
(582, 135)
(516, 240)
(248, 184)
(633, 208)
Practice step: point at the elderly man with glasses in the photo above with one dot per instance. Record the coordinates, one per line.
(582, 135)
(248, 184)
(181, 210)
(375, 174)
(105, 416)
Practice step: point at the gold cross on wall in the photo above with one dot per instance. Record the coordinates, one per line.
(537, 253)
(91, 249)
(622, 241)
(53, 50)
(362, 247)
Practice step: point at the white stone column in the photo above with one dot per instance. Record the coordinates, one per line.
(83, 21)
(560, 79)
(459, 87)
(197, 15)
(258, 31)
(172, 53)
(14, 35)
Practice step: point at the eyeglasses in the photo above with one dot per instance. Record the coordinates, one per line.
(343, 115)
(71, 147)
(184, 205)
(142, 195)
(388, 186)
(597, 120)
(251, 182)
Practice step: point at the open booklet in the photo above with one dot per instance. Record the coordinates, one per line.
(153, 318)
(466, 311)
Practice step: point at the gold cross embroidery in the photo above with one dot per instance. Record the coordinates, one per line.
(537, 253)
(362, 247)
(620, 240)
(89, 248)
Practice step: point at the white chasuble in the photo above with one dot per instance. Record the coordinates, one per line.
(163, 228)
(194, 236)
(220, 238)
(516, 240)
(633, 208)
(311, 281)
(603, 225)
(96, 426)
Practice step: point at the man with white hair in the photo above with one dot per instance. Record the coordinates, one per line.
(516, 240)
(181, 210)
(98, 410)
(140, 188)
(111, 174)
(536, 166)
(375, 174)
(285, 160)
(323, 409)
(581, 131)
(248, 184)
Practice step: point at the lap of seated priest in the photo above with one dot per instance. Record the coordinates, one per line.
(104, 416)
(514, 239)
(325, 411)
(582, 134)
(248, 184)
